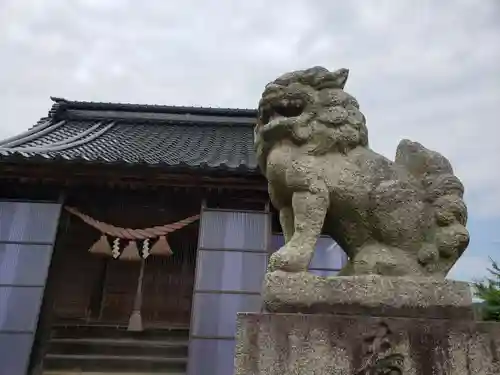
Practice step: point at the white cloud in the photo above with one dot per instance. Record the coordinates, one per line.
(425, 70)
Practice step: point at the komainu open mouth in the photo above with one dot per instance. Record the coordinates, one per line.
(286, 107)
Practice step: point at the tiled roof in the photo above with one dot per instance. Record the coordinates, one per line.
(132, 134)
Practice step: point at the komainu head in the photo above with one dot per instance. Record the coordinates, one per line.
(310, 106)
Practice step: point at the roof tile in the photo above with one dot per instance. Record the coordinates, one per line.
(161, 136)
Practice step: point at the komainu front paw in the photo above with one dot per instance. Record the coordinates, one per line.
(290, 259)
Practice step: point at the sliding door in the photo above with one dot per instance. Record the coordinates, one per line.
(27, 235)
(232, 260)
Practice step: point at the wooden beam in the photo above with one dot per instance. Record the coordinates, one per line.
(110, 177)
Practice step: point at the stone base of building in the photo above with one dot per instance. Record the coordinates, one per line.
(314, 344)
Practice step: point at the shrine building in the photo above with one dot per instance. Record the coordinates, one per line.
(130, 237)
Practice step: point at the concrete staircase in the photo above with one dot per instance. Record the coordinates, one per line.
(113, 349)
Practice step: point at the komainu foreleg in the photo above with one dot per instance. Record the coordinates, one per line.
(282, 201)
(309, 211)
(287, 222)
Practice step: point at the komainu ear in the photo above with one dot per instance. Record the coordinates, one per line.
(340, 76)
(333, 80)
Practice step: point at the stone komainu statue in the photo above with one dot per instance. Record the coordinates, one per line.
(405, 217)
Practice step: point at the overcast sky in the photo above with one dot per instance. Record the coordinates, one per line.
(426, 70)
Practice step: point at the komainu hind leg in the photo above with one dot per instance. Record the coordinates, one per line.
(309, 211)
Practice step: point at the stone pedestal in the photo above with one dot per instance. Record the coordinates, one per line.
(372, 295)
(365, 326)
(307, 344)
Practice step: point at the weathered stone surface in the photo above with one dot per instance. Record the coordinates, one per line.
(399, 218)
(367, 294)
(297, 344)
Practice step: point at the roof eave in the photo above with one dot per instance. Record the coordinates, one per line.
(17, 159)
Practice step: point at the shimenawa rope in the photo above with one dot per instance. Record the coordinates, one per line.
(132, 234)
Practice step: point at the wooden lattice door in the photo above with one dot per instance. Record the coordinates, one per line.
(167, 285)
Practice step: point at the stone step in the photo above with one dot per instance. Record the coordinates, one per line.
(112, 363)
(118, 347)
(116, 331)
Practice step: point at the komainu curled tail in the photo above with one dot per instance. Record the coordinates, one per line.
(444, 197)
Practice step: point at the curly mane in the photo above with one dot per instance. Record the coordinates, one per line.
(309, 107)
